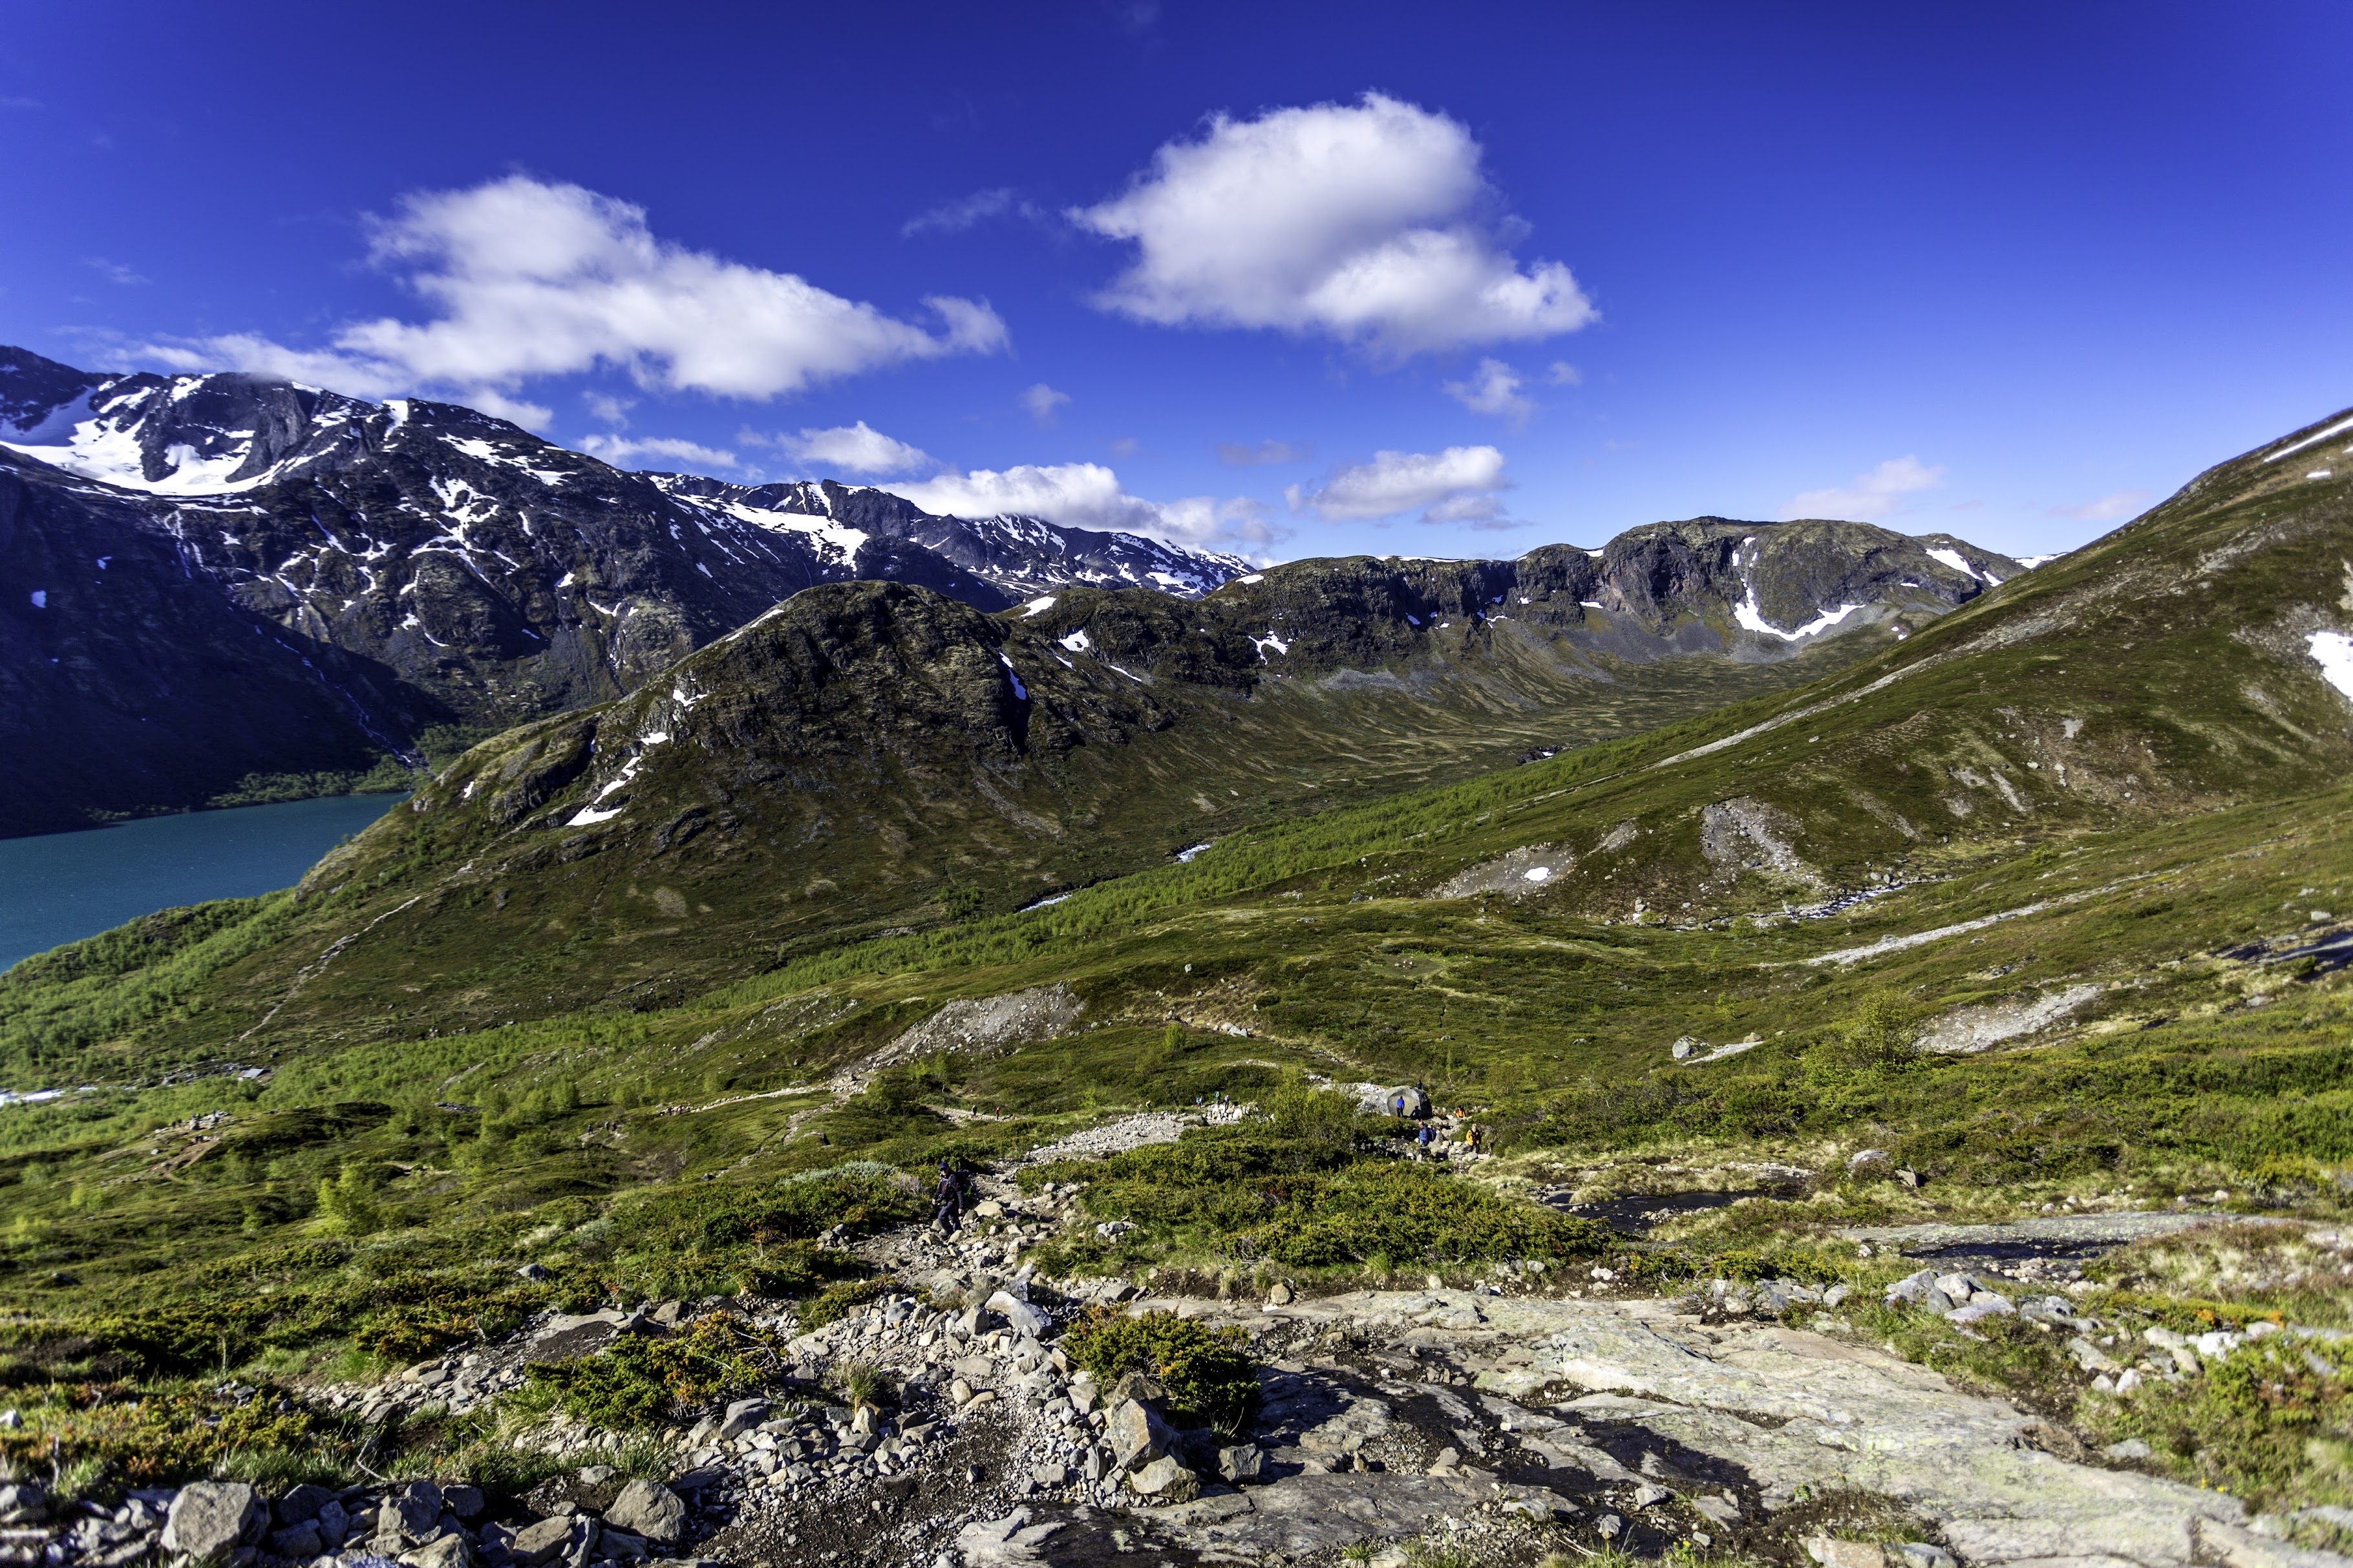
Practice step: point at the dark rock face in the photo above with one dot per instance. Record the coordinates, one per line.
(205, 577)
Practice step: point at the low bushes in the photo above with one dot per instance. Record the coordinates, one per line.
(1206, 1370)
(638, 1382)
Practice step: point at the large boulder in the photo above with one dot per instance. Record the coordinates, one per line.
(543, 1541)
(1018, 1315)
(1165, 1480)
(453, 1551)
(649, 1509)
(1382, 1099)
(209, 1519)
(1136, 1435)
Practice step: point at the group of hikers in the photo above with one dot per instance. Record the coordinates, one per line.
(1425, 1136)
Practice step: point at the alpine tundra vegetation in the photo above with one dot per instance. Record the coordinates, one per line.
(1763, 1042)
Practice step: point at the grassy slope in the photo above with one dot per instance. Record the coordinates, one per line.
(2201, 807)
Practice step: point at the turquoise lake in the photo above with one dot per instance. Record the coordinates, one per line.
(62, 886)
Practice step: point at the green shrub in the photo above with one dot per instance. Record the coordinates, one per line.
(1207, 1372)
(638, 1382)
(838, 1301)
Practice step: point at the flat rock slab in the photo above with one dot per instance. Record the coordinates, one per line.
(1309, 1513)
(2060, 1232)
(1771, 1407)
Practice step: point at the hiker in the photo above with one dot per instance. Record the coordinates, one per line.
(947, 1201)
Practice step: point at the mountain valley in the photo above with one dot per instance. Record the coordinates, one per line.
(1840, 906)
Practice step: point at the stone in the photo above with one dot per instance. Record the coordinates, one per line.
(535, 1543)
(445, 1552)
(2088, 1355)
(1141, 1387)
(2130, 1448)
(1610, 1527)
(22, 1502)
(209, 1519)
(1682, 1049)
(1921, 1555)
(1018, 1315)
(651, 1509)
(1165, 1478)
(299, 1541)
(1136, 1435)
(533, 1271)
(1650, 1495)
(1833, 1553)
(1449, 1459)
(466, 1502)
(1050, 1476)
(740, 1417)
(301, 1504)
(1281, 1296)
(1240, 1463)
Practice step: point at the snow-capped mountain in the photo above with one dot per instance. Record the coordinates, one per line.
(387, 568)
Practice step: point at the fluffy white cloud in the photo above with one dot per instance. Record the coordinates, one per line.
(1495, 389)
(527, 278)
(856, 448)
(956, 217)
(1087, 495)
(613, 411)
(2108, 509)
(1869, 497)
(1368, 222)
(1564, 374)
(1042, 401)
(1458, 485)
(624, 453)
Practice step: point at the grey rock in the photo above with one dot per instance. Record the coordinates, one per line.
(442, 1551)
(2130, 1448)
(535, 1543)
(1920, 1554)
(1610, 1527)
(301, 1504)
(22, 1502)
(651, 1509)
(2089, 1356)
(1240, 1463)
(1165, 1478)
(297, 1542)
(1018, 1315)
(534, 1272)
(209, 1519)
(1136, 1434)
(466, 1502)
(1649, 1494)
(741, 1416)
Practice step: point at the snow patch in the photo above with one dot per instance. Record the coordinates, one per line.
(1954, 559)
(1077, 641)
(1591, 604)
(2336, 429)
(1020, 692)
(1038, 607)
(1537, 874)
(1269, 641)
(1749, 616)
(40, 598)
(2332, 651)
(1251, 577)
(1196, 850)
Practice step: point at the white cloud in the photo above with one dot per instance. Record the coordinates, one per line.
(1457, 485)
(1042, 401)
(116, 272)
(1244, 456)
(1495, 390)
(856, 448)
(525, 278)
(964, 212)
(1869, 497)
(1087, 495)
(2108, 509)
(624, 453)
(1369, 222)
(613, 411)
(1564, 374)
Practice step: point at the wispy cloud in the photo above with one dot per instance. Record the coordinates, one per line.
(1493, 389)
(2109, 508)
(969, 212)
(625, 453)
(1867, 498)
(1042, 402)
(1243, 456)
(1089, 495)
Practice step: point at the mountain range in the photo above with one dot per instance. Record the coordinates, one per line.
(219, 588)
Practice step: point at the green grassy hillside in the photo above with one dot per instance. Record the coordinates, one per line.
(2108, 796)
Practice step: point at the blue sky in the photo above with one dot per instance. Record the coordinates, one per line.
(1297, 280)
